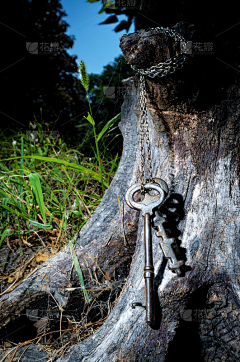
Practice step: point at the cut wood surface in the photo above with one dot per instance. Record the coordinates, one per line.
(196, 151)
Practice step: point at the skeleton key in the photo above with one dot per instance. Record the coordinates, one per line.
(147, 205)
(166, 244)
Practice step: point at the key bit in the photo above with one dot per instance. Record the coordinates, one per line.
(166, 244)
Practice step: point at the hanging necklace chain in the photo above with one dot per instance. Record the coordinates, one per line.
(144, 130)
(170, 65)
(161, 69)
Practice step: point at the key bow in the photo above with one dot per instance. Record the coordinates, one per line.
(149, 202)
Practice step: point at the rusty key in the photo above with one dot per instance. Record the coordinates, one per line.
(147, 205)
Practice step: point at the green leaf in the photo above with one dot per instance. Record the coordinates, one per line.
(109, 124)
(91, 1)
(111, 19)
(90, 119)
(109, 5)
(40, 225)
(35, 182)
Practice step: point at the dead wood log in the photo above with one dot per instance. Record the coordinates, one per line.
(195, 149)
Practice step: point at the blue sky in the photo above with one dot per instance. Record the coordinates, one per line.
(97, 45)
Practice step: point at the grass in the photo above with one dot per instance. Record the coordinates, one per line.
(45, 186)
(49, 191)
(85, 82)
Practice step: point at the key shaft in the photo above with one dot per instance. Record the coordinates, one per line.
(148, 270)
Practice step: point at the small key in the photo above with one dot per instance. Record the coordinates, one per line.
(166, 244)
(147, 205)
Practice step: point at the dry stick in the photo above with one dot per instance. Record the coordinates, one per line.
(61, 310)
(125, 241)
(45, 334)
(40, 239)
(95, 266)
(31, 340)
(37, 207)
(86, 207)
(7, 354)
(60, 231)
(52, 147)
(89, 270)
(6, 262)
(110, 237)
(23, 353)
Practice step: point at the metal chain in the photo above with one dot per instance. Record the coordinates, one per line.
(161, 69)
(144, 129)
(170, 65)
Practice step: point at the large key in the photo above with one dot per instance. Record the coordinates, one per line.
(166, 244)
(147, 205)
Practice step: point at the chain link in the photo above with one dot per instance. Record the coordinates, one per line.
(170, 65)
(161, 69)
(144, 129)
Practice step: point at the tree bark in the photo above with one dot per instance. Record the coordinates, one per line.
(195, 149)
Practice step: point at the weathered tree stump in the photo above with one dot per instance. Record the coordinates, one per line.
(195, 149)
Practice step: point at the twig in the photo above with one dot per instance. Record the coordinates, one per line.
(110, 237)
(7, 354)
(86, 207)
(40, 239)
(23, 353)
(37, 207)
(61, 310)
(60, 231)
(10, 286)
(95, 266)
(31, 340)
(6, 262)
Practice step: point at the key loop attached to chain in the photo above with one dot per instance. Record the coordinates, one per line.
(161, 69)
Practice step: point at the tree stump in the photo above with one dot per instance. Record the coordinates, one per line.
(195, 149)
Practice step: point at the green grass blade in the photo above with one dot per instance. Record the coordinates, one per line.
(35, 182)
(78, 269)
(90, 119)
(15, 212)
(40, 225)
(109, 124)
(19, 236)
(51, 219)
(70, 165)
(4, 233)
(4, 168)
(21, 168)
(79, 208)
